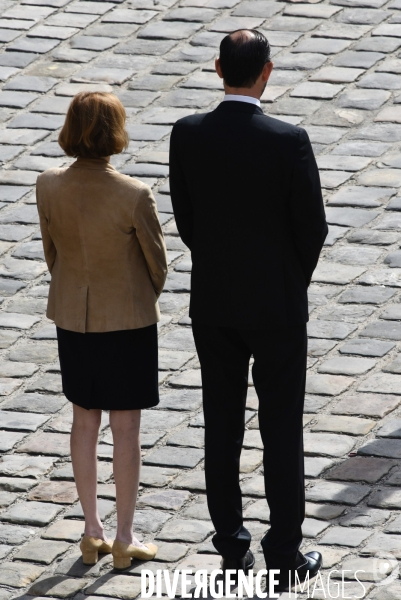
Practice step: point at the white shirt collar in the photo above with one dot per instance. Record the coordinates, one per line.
(239, 98)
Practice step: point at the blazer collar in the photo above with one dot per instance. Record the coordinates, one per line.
(235, 106)
(97, 164)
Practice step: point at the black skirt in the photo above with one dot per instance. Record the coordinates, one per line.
(114, 370)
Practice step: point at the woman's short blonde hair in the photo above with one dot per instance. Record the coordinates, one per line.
(94, 126)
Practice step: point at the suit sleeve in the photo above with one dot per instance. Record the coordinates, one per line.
(48, 245)
(150, 236)
(180, 199)
(308, 220)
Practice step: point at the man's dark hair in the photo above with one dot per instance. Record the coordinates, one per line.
(242, 57)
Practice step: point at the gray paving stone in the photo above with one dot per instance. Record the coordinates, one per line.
(321, 46)
(28, 83)
(351, 217)
(354, 256)
(12, 193)
(15, 233)
(389, 448)
(394, 366)
(323, 511)
(21, 269)
(345, 163)
(64, 529)
(319, 347)
(187, 437)
(7, 498)
(174, 457)
(341, 424)
(390, 592)
(381, 177)
(42, 551)
(48, 332)
(329, 329)
(366, 236)
(146, 47)
(385, 498)
(378, 132)
(157, 476)
(330, 385)
(349, 314)
(381, 542)
(335, 234)
(362, 149)
(378, 44)
(303, 61)
(8, 386)
(327, 444)
(259, 8)
(315, 465)
(313, 527)
(333, 179)
(390, 65)
(316, 90)
(35, 403)
(16, 484)
(366, 347)
(169, 30)
(25, 466)
(369, 405)
(352, 59)
(53, 444)
(344, 493)
(368, 469)
(22, 136)
(57, 586)
(31, 513)
(21, 421)
(383, 330)
(34, 44)
(346, 366)
(331, 272)
(287, 23)
(169, 499)
(49, 382)
(344, 536)
(94, 43)
(106, 508)
(115, 586)
(330, 115)
(390, 429)
(365, 517)
(359, 196)
(161, 420)
(17, 575)
(186, 530)
(391, 313)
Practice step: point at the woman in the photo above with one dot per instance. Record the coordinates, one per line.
(105, 251)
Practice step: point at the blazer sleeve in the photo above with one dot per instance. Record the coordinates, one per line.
(149, 233)
(180, 199)
(308, 220)
(48, 245)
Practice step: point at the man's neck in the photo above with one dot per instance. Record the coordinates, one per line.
(251, 92)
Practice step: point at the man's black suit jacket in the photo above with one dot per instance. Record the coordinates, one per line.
(247, 201)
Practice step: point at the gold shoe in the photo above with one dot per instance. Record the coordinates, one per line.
(90, 548)
(122, 553)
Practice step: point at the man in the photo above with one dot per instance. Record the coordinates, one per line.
(247, 202)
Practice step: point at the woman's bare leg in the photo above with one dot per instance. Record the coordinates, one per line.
(84, 434)
(125, 426)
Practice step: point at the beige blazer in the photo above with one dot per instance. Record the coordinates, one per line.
(103, 245)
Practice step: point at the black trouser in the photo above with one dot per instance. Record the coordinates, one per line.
(279, 373)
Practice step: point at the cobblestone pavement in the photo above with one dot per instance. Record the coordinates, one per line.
(338, 75)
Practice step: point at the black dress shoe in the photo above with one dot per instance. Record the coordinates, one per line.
(312, 563)
(245, 563)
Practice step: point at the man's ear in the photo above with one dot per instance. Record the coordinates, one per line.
(218, 68)
(267, 69)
